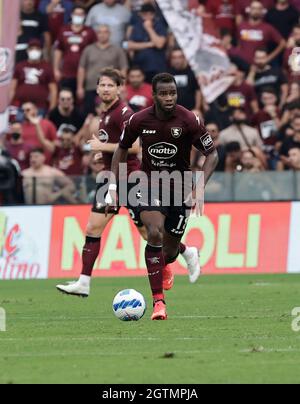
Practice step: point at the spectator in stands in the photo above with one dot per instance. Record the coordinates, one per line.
(255, 33)
(291, 61)
(233, 160)
(115, 15)
(67, 156)
(283, 17)
(214, 130)
(241, 94)
(147, 42)
(138, 93)
(16, 147)
(293, 93)
(71, 42)
(262, 75)
(11, 192)
(66, 114)
(34, 80)
(291, 137)
(35, 25)
(242, 8)
(21, 46)
(293, 159)
(219, 112)
(44, 184)
(58, 13)
(94, 58)
(189, 93)
(223, 12)
(250, 163)
(38, 132)
(241, 132)
(86, 4)
(268, 122)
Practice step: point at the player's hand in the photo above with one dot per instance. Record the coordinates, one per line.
(111, 199)
(95, 144)
(196, 204)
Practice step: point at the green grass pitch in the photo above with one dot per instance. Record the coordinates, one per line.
(225, 329)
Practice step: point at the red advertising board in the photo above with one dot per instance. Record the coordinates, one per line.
(233, 238)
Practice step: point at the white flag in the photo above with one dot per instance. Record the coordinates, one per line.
(198, 39)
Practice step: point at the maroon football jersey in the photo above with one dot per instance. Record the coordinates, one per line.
(111, 126)
(167, 144)
(72, 45)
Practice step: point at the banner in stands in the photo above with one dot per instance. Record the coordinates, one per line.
(242, 238)
(9, 26)
(200, 41)
(24, 242)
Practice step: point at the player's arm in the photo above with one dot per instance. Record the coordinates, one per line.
(203, 142)
(128, 139)
(98, 146)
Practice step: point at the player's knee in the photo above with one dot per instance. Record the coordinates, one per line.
(154, 234)
(93, 230)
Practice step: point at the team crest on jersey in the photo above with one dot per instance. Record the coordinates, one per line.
(103, 136)
(176, 132)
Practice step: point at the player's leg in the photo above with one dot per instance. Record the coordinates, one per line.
(95, 228)
(175, 226)
(154, 223)
(168, 276)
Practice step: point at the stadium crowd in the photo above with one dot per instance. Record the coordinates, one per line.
(63, 45)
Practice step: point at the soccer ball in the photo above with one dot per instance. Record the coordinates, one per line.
(129, 305)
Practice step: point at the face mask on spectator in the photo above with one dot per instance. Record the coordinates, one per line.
(77, 20)
(15, 136)
(34, 54)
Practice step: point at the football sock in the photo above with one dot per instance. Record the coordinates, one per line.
(182, 248)
(155, 265)
(90, 253)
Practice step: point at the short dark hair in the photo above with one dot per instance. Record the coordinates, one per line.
(269, 90)
(165, 78)
(233, 147)
(114, 74)
(37, 150)
(135, 69)
(78, 8)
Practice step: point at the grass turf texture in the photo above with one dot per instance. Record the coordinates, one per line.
(225, 329)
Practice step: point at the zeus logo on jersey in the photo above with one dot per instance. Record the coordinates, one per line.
(163, 151)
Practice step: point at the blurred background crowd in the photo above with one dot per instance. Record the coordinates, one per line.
(63, 45)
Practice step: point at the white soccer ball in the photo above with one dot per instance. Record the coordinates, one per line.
(129, 305)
